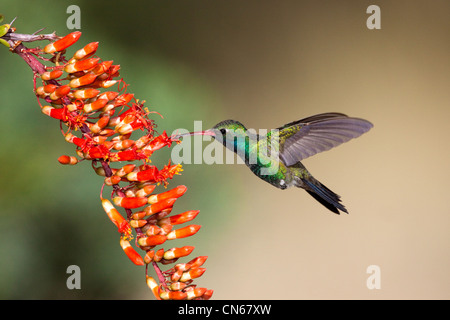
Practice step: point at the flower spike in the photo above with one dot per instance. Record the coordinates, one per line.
(101, 126)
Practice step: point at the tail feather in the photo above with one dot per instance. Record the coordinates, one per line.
(324, 195)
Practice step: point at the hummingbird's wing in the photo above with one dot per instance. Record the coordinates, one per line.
(304, 138)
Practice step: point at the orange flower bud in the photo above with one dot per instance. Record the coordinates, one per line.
(82, 81)
(114, 121)
(165, 229)
(109, 181)
(159, 206)
(85, 93)
(194, 263)
(151, 283)
(178, 252)
(153, 230)
(63, 43)
(183, 217)
(192, 274)
(49, 88)
(208, 294)
(197, 262)
(174, 193)
(109, 95)
(161, 215)
(40, 92)
(103, 83)
(102, 67)
(125, 170)
(99, 125)
(60, 92)
(131, 253)
(130, 203)
(81, 65)
(68, 160)
(101, 140)
(87, 51)
(148, 258)
(46, 90)
(173, 295)
(177, 286)
(126, 128)
(138, 223)
(107, 132)
(176, 276)
(195, 293)
(113, 71)
(50, 75)
(76, 105)
(122, 145)
(138, 215)
(145, 191)
(152, 240)
(158, 255)
(142, 141)
(123, 99)
(96, 105)
(183, 232)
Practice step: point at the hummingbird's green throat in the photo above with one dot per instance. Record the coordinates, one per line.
(275, 157)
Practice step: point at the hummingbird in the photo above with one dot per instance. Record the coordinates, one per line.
(288, 146)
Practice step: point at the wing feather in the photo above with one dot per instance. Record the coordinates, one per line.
(309, 136)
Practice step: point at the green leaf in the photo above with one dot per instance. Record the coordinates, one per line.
(3, 42)
(4, 29)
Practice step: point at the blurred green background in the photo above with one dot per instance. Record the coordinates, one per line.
(264, 63)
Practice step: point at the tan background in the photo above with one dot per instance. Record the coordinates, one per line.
(267, 63)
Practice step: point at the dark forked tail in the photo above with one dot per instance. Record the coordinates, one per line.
(324, 195)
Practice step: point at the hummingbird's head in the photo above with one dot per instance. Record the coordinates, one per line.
(228, 127)
(231, 133)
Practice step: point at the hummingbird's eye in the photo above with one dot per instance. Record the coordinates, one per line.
(223, 131)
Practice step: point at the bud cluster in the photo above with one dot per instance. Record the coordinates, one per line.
(100, 123)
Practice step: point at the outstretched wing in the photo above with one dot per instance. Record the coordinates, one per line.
(303, 138)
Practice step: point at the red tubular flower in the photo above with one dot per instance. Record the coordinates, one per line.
(151, 174)
(115, 216)
(97, 124)
(159, 142)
